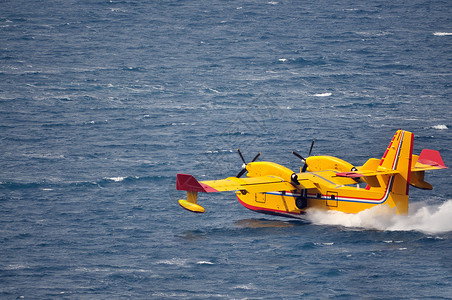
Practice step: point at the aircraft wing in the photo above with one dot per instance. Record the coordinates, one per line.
(258, 184)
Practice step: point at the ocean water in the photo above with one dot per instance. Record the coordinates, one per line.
(102, 103)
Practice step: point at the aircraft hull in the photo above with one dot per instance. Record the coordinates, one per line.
(347, 199)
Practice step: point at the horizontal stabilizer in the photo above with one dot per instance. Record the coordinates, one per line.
(349, 174)
(429, 160)
(358, 174)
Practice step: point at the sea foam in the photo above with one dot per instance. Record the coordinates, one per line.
(115, 179)
(440, 127)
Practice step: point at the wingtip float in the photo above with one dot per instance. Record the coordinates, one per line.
(324, 182)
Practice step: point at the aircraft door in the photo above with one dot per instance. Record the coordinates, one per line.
(260, 197)
(331, 199)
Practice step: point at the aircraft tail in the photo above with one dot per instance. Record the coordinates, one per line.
(398, 157)
(397, 170)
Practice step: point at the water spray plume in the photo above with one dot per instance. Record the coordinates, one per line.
(423, 218)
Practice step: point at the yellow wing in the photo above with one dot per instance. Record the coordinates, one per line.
(259, 181)
(260, 184)
(188, 183)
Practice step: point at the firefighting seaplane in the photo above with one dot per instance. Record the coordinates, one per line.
(324, 182)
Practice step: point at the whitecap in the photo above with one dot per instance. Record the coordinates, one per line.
(324, 244)
(282, 59)
(440, 127)
(16, 267)
(421, 217)
(442, 33)
(117, 10)
(248, 286)
(203, 262)
(173, 261)
(323, 94)
(115, 179)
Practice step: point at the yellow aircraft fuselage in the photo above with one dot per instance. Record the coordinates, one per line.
(328, 182)
(331, 193)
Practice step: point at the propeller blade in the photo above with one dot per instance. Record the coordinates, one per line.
(244, 163)
(302, 158)
(241, 156)
(312, 145)
(299, 156)
(254, 159)
(241, 173)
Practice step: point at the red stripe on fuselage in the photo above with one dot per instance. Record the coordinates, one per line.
(268, 210)
(387, 150)
(409, 164)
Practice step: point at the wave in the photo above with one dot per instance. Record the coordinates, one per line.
(123, 179)
(204, 262)
(442, 33)
(51, 184)
(303, 62)
(119, 179)
(180, 262)
(440, 127)
(423, 218)
(322, 94)
(248, 286)
(20, 185)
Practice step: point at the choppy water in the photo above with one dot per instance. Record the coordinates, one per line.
(103, 102)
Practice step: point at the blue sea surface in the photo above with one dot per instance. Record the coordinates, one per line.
(102, 103)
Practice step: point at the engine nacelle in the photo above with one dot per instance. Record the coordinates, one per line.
(319, 163)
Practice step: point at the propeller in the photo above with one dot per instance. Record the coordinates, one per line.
(244, 163)
(304, 159)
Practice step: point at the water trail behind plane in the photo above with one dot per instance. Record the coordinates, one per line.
(421, 217)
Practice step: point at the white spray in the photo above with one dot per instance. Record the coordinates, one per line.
(421, 217)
